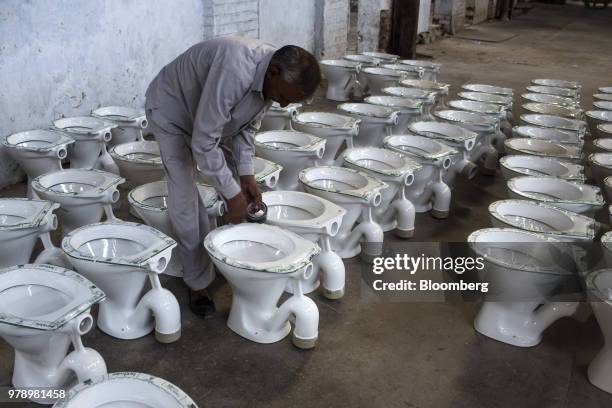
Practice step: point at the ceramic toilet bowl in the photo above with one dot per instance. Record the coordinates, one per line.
(495, 111)
(544, 148)
(557, 122)
(409, 110)
(90, 136)
(427, 98)
(376, 122)
(119, 257)
(530, 165)
(428, 190)
(38, 152)
(315, 219)
(365, 62)
(484, 153)
(337, 130)
(83, 194)
(549, 134)
(490, 89)
(383, 56)
(43, 310)
(542, 218)
(604, 130)
(568, 195)
(22, 223)
(291, 149)
(139, 162)
(602, 145)
(599, 287)
(602, 97)
(129, 121)
(440, 89)
(409, 70)
(602, 105)
(359, 194)
(596, 118)
(550, 99)
(601, 168)
(279, 118)
(150, 203)
(497, 99)
(605, 89)
(523, 272)
(126, 390)
(553, 90)
(395, 212)
(431, 70)
(267, 173)
(559, 83)
(378, 78)
(341, 78)
(258, 261)
(454, 136)
(555, 110)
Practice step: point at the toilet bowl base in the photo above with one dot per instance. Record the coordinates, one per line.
(502, 325)
(333, 294)
(439, 214)
(304, 344)
(167, 338)
(259, 335)
(112, 324)
(403, 234)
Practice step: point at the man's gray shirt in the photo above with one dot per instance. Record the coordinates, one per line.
(211, 91)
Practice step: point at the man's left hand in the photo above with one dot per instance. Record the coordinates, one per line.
(250, 189)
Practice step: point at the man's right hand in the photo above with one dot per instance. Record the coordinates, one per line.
(236, 209)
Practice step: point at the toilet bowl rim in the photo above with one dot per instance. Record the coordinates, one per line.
(406, 105)
(383, 72)
(444, 151)
(605, 89)
(538, 119)
(111, 180)
(502, 100)
(537, 107)
(87, 294)
(139, 204)
(269, 169)
(97, 125)
(602, 105)
(428, 65)
(36, 219)
(596, 197)
(425, 96)
(461, 134)
(380, 55)
(300, 258)
(543, 81)
(602, 96)
(182, 399)
(157, 160)
(600, 114)
(572, 152)
(488, 108)
(362, 59)
(425, 84)
(587, 221)
(373, 185)
(482, 119)
(140, 260)
(349, 121)
(126, 120)
(405, 68)
(339, 63)
(492, 89)
(572, 167)
(409, 165)
(523, 131)
(551, 90)
(63, 140)
(595, 158)
(601, 142)
(605, 128)
(560, 100)
(314, 142)
(351, 108)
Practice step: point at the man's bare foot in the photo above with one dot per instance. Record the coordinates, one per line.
(201, 303)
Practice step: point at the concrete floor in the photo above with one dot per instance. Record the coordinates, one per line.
(402, 354)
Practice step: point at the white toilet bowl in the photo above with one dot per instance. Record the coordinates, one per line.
(431, 70)
(599, 287)
(341, 78)
(601, 169)
(555, 110)
(365, 62)
(498, 99)
(596, 118)
(267, 173)
(602, 145)
(395, 212)
(378, 78)
(458, 138)
(427, 98)
(542, 218)
(529, 165)
(376, 122)
(139, 162)
(119, 257)
(602, 105)
(317, 220)
(568, 195)
(293, 150)
(83, 194)
(490, 89)
(553, 90)
(602, 97)
(129, 121)
(383, 56)
(428, 192)
(544, 148)
(559, 83)
(22, 223)
(258, 261)
(359, 194)
(522, 273)
(38, 152)
(43, 310)
(549, 134)
(279, 118)
(604, 130)
(489, 109)
(557, 122)
(550, 99)
(90, 136)
(409, 110)
(408, 70)
(440, 89)
(605, 89)
(150, 203)
(337, 130)
(126, 390)
(484, 153)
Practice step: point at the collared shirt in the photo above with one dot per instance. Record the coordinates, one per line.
(212, 91)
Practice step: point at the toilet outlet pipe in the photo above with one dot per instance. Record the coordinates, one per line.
(106, 162)
(441, 199)
(84, 362)
(404, 213)
(51, 254)
(467, 168)
(111, 196)
(333, 273)
(548, 313)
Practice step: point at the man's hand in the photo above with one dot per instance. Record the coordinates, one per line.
(250, 189)
(236, 209)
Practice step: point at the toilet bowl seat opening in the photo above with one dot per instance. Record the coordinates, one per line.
(18, 213)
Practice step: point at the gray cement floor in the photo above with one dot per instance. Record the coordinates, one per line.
(402, 354)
